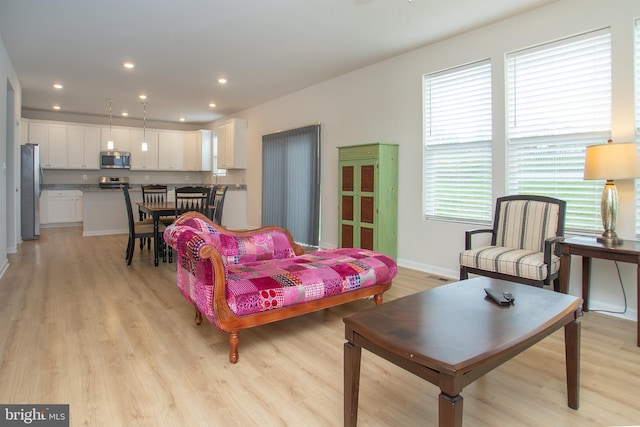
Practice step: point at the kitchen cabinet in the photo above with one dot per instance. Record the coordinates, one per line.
(83, 144)
(77, 146)
(232, 144)
(144, 160)
(61, 206)
(121, 139)
(171, 151)
(368, 197)
(198, 151)
(52, 139)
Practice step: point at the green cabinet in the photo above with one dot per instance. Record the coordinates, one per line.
(368, 197)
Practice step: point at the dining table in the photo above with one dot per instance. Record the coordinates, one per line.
(157, 210)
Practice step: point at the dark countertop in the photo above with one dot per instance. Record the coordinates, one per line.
(133, 187)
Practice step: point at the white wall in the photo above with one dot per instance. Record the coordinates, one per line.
(383, 103)
(9, 159)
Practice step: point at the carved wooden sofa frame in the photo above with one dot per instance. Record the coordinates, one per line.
(203, 253)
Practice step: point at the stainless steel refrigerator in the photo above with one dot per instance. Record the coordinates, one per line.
(30, 191)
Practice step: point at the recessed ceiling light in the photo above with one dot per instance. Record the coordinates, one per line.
(125, 114)
(56, 107)
(58, 86)
(222, 80)
(143, 97)
(212, 105)
(128, 65)
(182, 119)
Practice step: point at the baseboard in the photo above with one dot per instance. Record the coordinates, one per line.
(61, 224)
(104, 232)
(452, 274)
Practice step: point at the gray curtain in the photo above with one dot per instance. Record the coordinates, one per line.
(291, 182)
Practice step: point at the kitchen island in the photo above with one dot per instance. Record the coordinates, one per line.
(105, 211)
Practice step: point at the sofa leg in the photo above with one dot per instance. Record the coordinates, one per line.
(198, 318)
(234, 338)
(378, 299)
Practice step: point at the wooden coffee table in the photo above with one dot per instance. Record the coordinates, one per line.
(453, 334)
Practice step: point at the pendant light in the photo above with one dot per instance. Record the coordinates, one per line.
(144, 128)
(110, 141)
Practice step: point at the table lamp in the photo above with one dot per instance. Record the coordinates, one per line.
(611, 162)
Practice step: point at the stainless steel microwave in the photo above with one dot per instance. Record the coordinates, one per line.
(115, 160)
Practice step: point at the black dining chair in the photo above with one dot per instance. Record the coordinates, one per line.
(216, 203)
(153, 193)
(156, 193)
(192, 199)
(137, 229)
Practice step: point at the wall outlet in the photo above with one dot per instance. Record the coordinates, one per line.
(84, 177)
(146, 177)
(186, 177)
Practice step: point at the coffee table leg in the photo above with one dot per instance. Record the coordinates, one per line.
(352, 355)
(572, 360)
(450, 410)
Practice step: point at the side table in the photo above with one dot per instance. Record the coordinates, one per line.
(588, 247)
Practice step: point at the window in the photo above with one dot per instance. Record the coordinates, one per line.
(216, 171)
(559, 101)
(457, 144)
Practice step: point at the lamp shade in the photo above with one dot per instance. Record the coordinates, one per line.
(611, 161)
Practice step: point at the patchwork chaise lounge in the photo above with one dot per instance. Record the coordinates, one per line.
(242, 279)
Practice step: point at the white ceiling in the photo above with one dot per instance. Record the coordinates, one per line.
(265, 48)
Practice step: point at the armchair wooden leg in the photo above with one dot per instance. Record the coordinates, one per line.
(464, 274)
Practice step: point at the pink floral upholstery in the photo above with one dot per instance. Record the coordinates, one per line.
(262, 271)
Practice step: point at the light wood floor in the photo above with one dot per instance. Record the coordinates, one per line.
(120, 346)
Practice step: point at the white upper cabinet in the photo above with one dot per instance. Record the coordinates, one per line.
(52, 139)
(171, 151)
(232, 144)
(78, 146)
(198, 151)
(144, 160)
(206, 142)
(84, 147)
(191, 156)
(121, 139)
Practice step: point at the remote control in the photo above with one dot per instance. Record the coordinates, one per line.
(508, 296)
(499, 297)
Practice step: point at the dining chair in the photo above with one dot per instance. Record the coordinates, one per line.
(153, 193)
(156, 193)
(216, 203)
(523, 238)
(137, 229)
(190, 199)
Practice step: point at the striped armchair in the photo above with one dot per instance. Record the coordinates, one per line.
(525, 230)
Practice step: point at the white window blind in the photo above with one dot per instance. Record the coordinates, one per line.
(559, 101)
(637, 105)
(457, 144)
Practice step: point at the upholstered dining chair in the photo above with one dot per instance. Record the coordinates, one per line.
(522, 249)
(189, 199)
(137, 229)
(216, 203)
